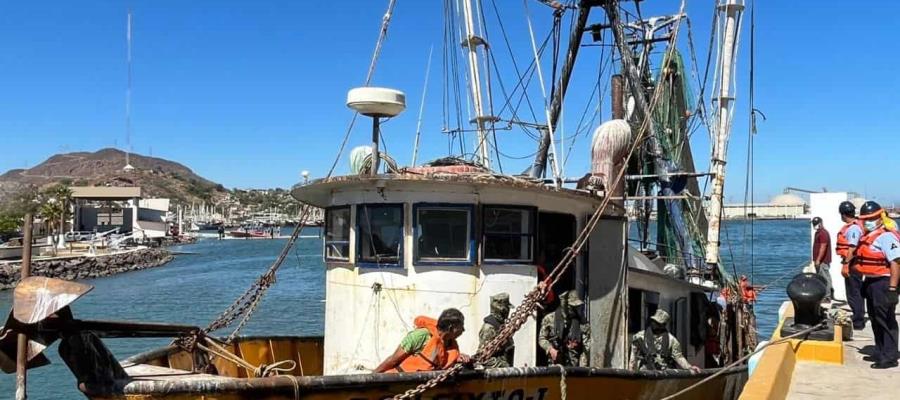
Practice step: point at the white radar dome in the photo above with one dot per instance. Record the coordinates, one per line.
(376, 102)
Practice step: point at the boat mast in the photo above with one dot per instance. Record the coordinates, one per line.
(482, 146)
(539, 165)
(732, 10)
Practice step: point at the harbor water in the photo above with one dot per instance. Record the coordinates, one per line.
(195, 288)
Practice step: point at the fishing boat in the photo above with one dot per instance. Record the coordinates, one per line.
(246, 233)
(405, 241)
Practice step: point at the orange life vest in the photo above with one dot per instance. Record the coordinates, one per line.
(747, 290)
(842, 247)
(869, 261)
(434, 355)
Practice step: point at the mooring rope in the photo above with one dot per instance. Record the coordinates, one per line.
(744, 358)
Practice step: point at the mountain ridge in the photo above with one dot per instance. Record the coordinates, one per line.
(156, 176)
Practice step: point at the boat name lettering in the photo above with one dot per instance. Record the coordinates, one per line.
(506, 394)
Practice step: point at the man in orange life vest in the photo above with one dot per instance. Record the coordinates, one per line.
(431, 346)
(878, 261)
(847, 240)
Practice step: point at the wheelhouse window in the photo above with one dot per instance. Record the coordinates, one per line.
(508, 233)
(443, 233)
(337, 233)
(380, 237)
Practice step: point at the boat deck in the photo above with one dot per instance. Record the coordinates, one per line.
(144, 372)
(852, 380)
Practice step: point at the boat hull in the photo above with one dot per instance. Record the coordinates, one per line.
(535, 383)
(251, 234)
(510, 383)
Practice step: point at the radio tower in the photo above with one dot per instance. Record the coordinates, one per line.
(128, 166)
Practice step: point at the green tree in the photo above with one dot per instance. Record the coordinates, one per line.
(9, 224)
(54, 210)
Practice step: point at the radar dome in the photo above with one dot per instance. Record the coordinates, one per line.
(376, 101)
(788, 199)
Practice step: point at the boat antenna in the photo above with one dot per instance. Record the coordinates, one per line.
(732, 10)
(422, 108)
(128, 166)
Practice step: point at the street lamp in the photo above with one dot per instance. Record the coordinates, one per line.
(305, 175)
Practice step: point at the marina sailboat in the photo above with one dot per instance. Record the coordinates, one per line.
(406, 241)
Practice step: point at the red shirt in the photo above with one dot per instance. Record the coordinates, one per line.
(822, 237)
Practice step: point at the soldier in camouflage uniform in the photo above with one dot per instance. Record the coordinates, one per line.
(565, 333)
(500, 306)
(665, 351)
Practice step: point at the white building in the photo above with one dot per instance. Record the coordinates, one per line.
(783, 206)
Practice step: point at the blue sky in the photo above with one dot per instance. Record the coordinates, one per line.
(250, 93)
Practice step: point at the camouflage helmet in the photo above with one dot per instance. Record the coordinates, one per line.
(500, 303)
(660, 316)
(572, 298)
(501, 298)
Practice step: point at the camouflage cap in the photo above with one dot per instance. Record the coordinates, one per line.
(660, 316)
(501, 298)
(572, 298)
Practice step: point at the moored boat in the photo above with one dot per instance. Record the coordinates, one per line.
(248, 233)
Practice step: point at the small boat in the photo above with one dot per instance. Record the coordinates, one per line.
(249, 233)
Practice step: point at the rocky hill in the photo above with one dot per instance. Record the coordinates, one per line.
(156, 177)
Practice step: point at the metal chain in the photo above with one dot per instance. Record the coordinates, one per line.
(246, 304)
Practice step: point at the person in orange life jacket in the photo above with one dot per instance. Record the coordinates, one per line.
(542, 273)
(822, 255)
(847, 240)
(431, 346)
(878, 261)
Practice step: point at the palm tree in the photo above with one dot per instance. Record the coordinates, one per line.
(55, 209)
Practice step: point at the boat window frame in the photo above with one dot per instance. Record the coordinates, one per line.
(359, 240)
(469, 260)
(325, 241)
(532, 235)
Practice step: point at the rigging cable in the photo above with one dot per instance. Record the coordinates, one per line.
(488, 59)
(537, 60)
(382, 34)
(422, 108)
(751, 132)
(243, 307)
(524, 80)
(582, 127)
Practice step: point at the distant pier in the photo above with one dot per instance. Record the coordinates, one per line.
(86, 266)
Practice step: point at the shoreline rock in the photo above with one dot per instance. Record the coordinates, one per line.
(87, 267)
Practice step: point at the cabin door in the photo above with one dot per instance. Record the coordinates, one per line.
(556, 232)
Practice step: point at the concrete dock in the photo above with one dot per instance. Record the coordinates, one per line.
(852, 380)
